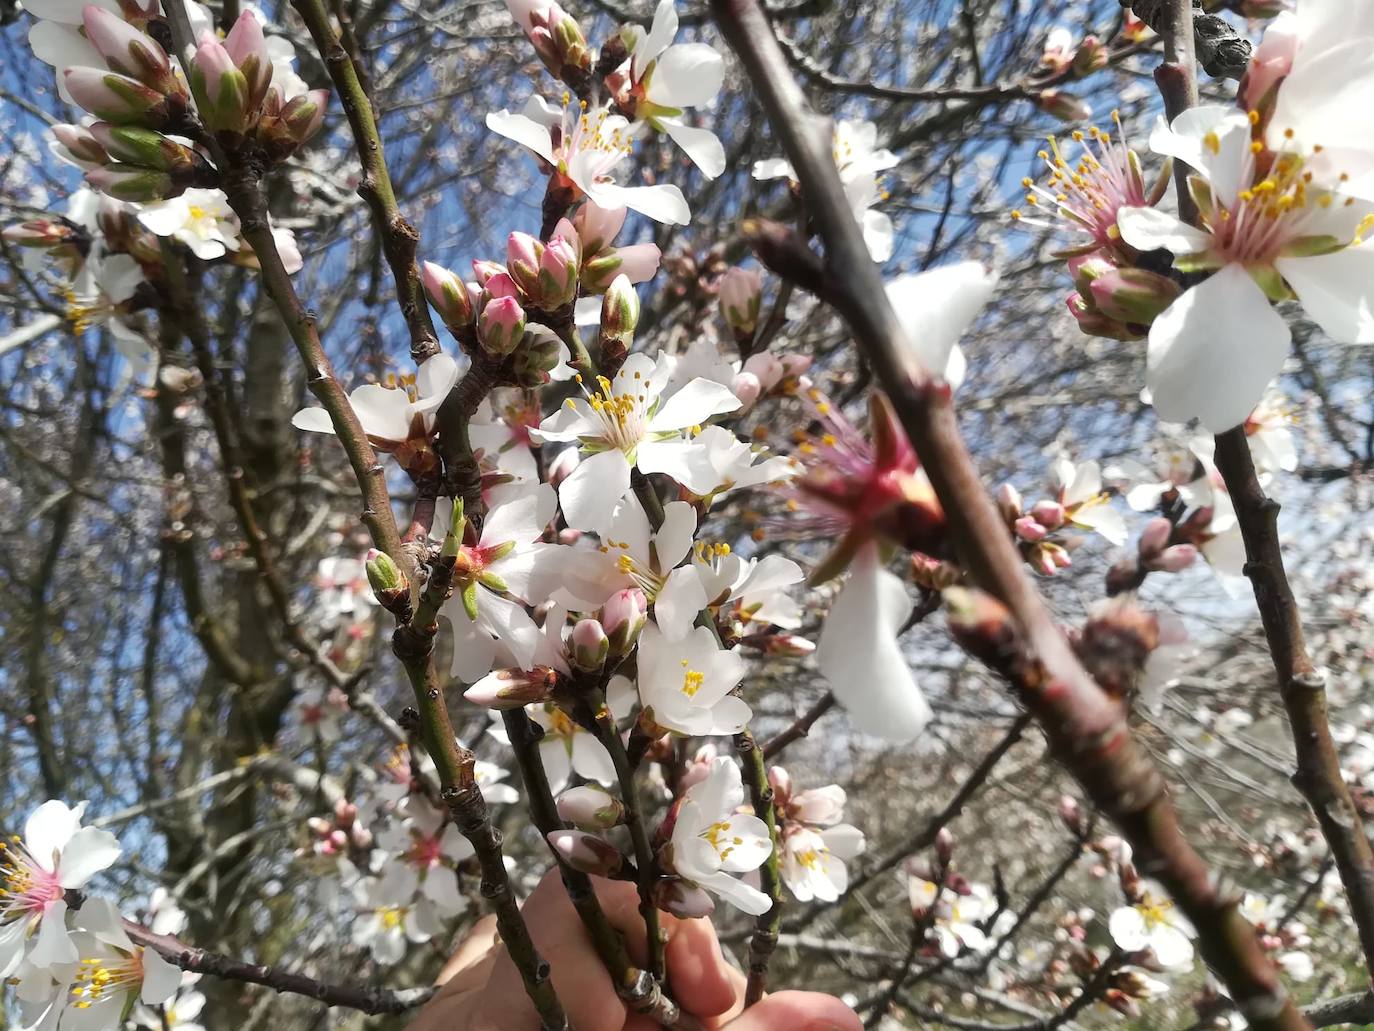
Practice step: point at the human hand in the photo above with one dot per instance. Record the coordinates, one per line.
(482, 990)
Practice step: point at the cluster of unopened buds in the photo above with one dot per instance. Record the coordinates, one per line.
(143, 145)
(1065, 58)
(1163, 547)
(341, 834)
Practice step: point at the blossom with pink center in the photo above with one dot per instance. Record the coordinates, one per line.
(584, 148)
(1267, 232)
(425, 848)
(1087, 190)
(54, 855)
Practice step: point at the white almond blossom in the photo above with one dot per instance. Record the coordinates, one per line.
(858, 652)
(113, 974)
(1154, 923)
(754, 589)
(860, 162)
(665, 78)
(319, 710)
(393, 415)
(652, 560)
(957, 915)
(425, 847)
(389, 918)
(685, 684)
(812, 862)
(507, 566)
(1085, 503)
(712, 842)
(1265, 236)
(626, 423)
(201, 219)
(54, 855)
(585, 147)
(178, 1013)
(97, 297)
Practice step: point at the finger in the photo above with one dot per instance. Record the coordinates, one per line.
(464, 968)
(798, 1011)
(620, 902)
(579, 977)
(698, 974)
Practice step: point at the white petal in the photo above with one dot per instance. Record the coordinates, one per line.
(1214, 351)
(160, 979)
(659, 36)
(773, 168)
(936, 307)
(684, 460)
(687, 75)
(701, 145)
(677, 604)
(1337, 290)
(879, 234)
(859, 655)
(1127, 927)
(383, 411)
(1215, 140)
(1147, 229)
(1172, 948)
(523, 130)
(53, 944)
(87, 853)
(674, 538)
(591, 760)
(49, 828)
(663, 203)
(316, 420)
(693, 405)
(738, 894)
(434, 379)
(590, 494)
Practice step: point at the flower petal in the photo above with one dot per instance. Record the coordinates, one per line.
(523, 130)
(1214, 351)
(693, 405)
(1337, 290)
(936, 307)
(701, 145)
(1148, 229)
(687, 75)
(589, 495)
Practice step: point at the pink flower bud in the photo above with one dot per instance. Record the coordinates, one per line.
(746, 387)
(319, 826)
(590, 808)
(499, 284)
(128, 51)
(40, 233)
(765, 367)
(1091, 56)
(1064, 106)
(345, 812)
(303, 115)
(1084, 268)
(449, 296)
(1094, 323)
(80, 145)
(1071, 814)
(1175, 559)
(1009, 502)
(220, 89)
(795, 365)
(820, 807)
(741, 296)
(684, 901)
(558, 273)
(501, 326)
(623, 617)
(619, 317)
(513, 688)
(523, 252)
(247, 48)
(598, 227)
(586, 852)
(1029, 530)
(1133, 295)
(556, 37)
(483, 269)
(116, 98)
(131, 183)
(588, 645)
(1049, 514)
(1042, 562)
(1154, 538)
(138, 146)
(944, 845)
(781, 782)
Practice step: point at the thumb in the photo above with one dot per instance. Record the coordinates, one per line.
(797, 1011)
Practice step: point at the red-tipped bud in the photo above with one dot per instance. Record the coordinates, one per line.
(523, 252)
(117, 98)
(588, 646)
(1064, 106)
(586, 852)
(1049, 514)
(39, 233)
(128, 51)
(623, 617)
(1094, 323)
(1133, 295)
(684, 901)
(558, 273)
(513, 688)
(1091, 56)
(741, 297)
(501, 326)
(220, 88)
(449, 296)
(1009, 503)
(247, 48)
(1029, 529)
(131, 183)
(1071, 814)
(591, 808)
(598, 227)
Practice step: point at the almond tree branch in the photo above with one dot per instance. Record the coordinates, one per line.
(372, 1000)
(765, 937)
(1301, 686)
(1087, 729)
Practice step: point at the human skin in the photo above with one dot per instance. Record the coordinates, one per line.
(481, 989)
